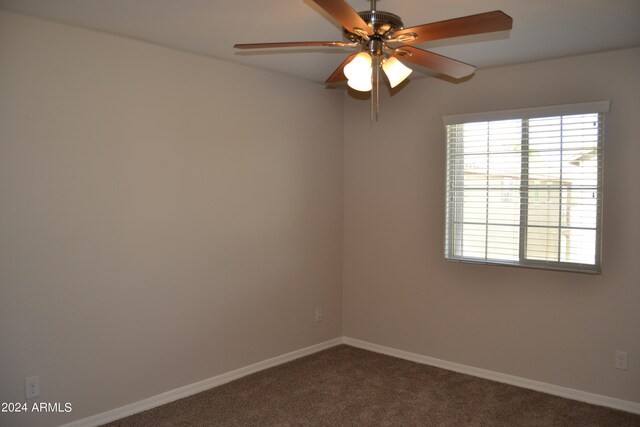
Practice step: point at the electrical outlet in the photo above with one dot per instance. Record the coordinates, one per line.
(318, 314)
(621, 360)
(31, 387)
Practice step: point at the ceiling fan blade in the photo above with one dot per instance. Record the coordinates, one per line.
(293, 44)
(345, 15)
(474, 24)
(338, 74)
(433, 61)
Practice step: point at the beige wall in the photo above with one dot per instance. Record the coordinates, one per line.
(164, 217)
(559, 328)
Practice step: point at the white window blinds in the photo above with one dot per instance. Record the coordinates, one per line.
(524, 187)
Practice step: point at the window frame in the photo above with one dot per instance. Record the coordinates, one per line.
(452, 250)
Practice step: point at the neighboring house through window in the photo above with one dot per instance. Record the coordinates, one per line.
(524, 187)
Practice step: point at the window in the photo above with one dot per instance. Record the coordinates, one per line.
(524, 187)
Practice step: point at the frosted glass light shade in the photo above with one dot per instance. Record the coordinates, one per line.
(358, 65)
(396, 72)
(358, 72)
(362, 84)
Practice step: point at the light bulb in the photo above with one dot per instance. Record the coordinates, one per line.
(396, 72)
(358, 72)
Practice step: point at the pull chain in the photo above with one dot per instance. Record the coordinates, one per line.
(377, 86)
(375, 89)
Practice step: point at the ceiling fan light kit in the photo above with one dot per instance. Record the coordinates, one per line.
(359, 72)
(384, 42)
(396, 72)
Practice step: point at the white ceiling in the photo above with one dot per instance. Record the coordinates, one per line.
(542, 29)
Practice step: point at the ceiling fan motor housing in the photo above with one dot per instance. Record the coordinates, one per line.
(381, 23)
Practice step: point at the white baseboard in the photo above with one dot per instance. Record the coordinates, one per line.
(188, 390)
(568, 393)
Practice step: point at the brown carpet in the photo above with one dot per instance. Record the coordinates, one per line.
(346, 386)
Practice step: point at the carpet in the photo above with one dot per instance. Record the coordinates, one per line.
(346, 386)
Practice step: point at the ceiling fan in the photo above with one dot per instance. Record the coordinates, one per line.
(383, 41)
